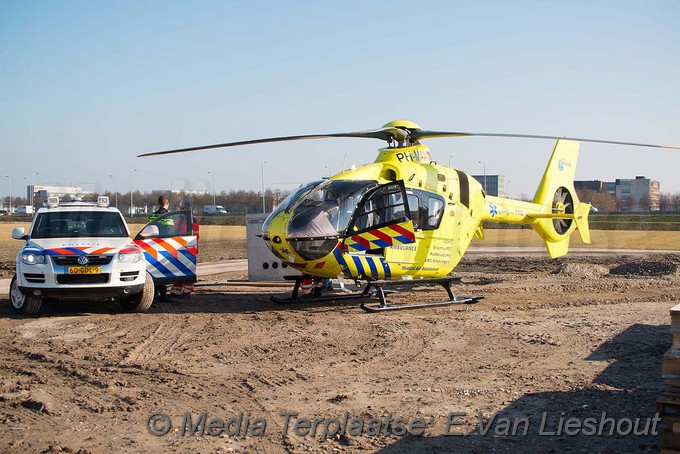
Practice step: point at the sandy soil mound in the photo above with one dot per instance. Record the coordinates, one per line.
(582, 270)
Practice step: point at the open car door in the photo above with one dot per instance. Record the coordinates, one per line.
(382, 219)
(170, 247)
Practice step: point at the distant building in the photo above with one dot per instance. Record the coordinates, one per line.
(492, 184)
(593, 186)
(638, 194)
(188, 192)
(43, 191)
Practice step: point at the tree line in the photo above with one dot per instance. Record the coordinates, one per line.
(237, 202)
(242, 202)
(606, 202)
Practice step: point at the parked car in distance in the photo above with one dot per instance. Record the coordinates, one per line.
(24, 209)
(214, 210)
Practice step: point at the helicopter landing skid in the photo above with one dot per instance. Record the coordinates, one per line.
(376, 288)
(444, 282)
(295, 297)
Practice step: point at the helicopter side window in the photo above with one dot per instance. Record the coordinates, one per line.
(385, 206)
(435, 210)
(414, 206)
(396, 208)
(426, 209)
(370, 215)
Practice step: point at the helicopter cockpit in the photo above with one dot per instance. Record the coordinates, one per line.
(327, 210)
(321, 213)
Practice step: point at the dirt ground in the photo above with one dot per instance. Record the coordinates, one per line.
(541, 347)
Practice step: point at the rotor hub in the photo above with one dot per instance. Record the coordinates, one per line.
(399, 133)
(401, 124)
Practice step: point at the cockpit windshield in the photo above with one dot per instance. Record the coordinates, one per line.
(288, 202)
(327, 210)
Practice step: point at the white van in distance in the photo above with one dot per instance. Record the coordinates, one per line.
(214, 209)
(24, 209)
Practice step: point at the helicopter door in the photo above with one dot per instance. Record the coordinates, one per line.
(382, 219)
(169, 244)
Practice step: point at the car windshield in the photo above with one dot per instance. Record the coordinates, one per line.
(69, 224)
(327, 210)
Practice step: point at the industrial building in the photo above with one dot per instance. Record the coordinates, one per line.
(43, 191)
(637, 194)
(492, 184)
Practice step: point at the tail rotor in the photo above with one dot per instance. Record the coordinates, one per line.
(563, 203)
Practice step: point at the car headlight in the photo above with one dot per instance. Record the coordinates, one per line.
(130, 255)
(32, 258)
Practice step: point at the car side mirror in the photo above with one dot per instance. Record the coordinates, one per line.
(19, 233)
(149, 231)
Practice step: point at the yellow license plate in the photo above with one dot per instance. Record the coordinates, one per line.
(84, 269)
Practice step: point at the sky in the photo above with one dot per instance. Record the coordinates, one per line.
(87, 86)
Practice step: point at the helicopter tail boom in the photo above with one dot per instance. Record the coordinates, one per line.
(555, 211)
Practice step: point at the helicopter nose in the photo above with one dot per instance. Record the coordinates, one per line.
(275, 236)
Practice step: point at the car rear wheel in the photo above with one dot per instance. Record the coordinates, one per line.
(141, 301)
(25, 305)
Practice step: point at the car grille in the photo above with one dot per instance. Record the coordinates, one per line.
(82, 278)
(34, 278)
(72, 260)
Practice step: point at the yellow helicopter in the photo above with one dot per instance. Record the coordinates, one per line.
(407, 220)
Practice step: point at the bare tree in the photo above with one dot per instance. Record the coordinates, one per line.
(603, 201)
(675, 201)
(645, 202)
(665, 202)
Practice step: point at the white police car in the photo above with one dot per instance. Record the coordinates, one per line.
(79, 251)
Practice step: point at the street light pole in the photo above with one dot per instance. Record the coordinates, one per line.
(131, 201)
(115, 189)
(263, 203)
(9, 180)
(213, 186)
(33, 189)
(484, 168)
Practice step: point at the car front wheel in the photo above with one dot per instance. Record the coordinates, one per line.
(25, 305)
(142, 300)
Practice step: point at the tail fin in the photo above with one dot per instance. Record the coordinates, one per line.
(561, 212)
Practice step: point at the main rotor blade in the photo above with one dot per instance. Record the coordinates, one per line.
(421, 134)
(386, 134)
(399, 134)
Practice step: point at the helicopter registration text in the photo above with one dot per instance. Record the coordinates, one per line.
(415, 155)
